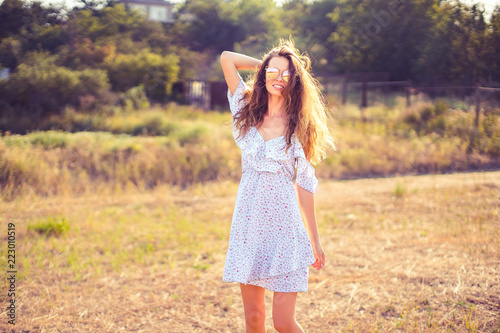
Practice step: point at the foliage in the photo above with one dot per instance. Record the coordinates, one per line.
(17, 17)
(312, 26)
(262, 25)
(50, 226)
(427, 41)
(134, 99)
(156, 72)
(107, 23)
(84, 53)
(41, 87)
(210, 27)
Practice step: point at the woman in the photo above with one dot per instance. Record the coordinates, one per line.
(279, 124)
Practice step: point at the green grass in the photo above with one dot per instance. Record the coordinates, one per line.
(400, 190)
(50, 226)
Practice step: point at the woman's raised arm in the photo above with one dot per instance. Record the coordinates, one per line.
(231, 62)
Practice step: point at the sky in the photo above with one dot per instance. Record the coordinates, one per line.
(489, 5)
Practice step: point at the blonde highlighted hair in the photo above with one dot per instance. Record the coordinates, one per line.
(305, 109)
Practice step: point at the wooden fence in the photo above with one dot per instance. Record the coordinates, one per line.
(206, 95)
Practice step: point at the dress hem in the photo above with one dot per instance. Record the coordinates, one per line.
(254, 282)
(268, 288)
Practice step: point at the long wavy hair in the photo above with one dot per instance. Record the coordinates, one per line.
(305, 110)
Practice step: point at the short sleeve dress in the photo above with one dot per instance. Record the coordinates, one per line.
(268, 244)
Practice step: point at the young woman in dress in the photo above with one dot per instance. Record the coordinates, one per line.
(270, 247)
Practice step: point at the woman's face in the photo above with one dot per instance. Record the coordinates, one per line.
(275, 86)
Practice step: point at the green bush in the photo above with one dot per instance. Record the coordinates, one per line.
(193, 135)
(437, 125)
(427, 113)
(154, 71)
(46, 88)
(494, 146)
(427, 118)
(50, 226)
(412, 118)
(440, 107)
(476, 141)
(135, 98)
(400, 190)
(490, 124)
(49, 139)
(155, 124)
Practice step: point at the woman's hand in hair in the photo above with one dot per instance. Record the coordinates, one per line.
(231, 62)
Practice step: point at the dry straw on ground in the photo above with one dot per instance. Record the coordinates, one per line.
(409, 254)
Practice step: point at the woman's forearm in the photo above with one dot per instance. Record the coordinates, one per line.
(231, 62)
(306, 203)
(240, 61)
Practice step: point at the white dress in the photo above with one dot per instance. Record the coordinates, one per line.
(268, 244)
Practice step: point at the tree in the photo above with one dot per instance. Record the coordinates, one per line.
(493, 45)
(312, 26)
(106, 24)
(466, 36)
(379, 35)
(25, 27)
(156, 72)
(40, 87)
(12, 17)
(261, 24)
(208, 26)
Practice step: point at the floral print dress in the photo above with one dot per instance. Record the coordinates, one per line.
(268, 245)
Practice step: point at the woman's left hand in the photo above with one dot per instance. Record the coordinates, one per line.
(319, 254)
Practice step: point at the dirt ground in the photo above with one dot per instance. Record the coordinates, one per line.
(406, 254)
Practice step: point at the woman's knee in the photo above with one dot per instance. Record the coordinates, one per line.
(255, 317)
(254, 305)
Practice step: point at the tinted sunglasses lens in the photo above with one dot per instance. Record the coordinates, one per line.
(272, 73)
(286, 76)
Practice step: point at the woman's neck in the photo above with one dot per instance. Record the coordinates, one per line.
(275, 106)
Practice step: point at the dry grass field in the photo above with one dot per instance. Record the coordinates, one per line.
(405, 254)
(181, 145)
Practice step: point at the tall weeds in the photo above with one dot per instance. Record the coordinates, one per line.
(181, 145)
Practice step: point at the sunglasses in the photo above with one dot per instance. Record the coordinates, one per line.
(273, 73)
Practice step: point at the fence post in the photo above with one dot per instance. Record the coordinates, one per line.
(345, 86)
(477, 97)
(408, 94)
(206, 96)
(364, 101)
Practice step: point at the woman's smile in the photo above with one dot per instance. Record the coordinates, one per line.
(279, 86)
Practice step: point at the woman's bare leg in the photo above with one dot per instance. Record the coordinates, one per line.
(255, 308)
(284, 313)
